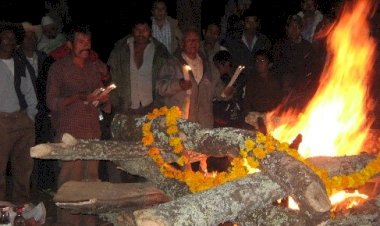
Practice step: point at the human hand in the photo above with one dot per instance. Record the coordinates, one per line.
(228, 91)
(185, 84)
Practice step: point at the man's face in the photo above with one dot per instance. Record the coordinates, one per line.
(308, 6)
(7, 42)
(50, 30)
(191, 43)
(212, 34)
(159, 11)
(141, 33)
(261, 64)
(293, 30)
(250, 24)
(82, 45)
(224, 69)
(30, 40)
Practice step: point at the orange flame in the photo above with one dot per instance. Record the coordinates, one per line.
(336, 121)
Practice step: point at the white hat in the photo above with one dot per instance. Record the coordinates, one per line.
(46, 20)
(37, 29)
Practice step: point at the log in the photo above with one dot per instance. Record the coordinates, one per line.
(301, 183)
(90, 150)
(147, 168)
(214, 206)
(101, 197)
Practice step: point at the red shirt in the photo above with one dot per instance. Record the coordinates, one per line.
(66, 79)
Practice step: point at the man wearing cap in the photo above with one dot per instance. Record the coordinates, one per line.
(51, 37)
(17, 112)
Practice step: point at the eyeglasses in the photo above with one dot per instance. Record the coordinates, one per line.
(260, 60)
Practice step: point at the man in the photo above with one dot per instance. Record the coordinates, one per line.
(34, 60)
(72, 88)
(134, 65)
(164, 28)
(210, 45)
(17, 112)
(243, 50)
(294, 63)
(193, 93)
(51, 35)
(44, 170)
(228, 113)
(262, 91)
(311, 18)
(73, 97)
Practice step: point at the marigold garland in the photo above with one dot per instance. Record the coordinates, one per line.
(250, 156)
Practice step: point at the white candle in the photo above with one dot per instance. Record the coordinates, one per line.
(234, 77)
(186, 70)
(236, 74)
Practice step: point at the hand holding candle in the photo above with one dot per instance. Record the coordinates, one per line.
(186, 69)
(233, 79)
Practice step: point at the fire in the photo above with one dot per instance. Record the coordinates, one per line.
(336, 199)
(336, 120)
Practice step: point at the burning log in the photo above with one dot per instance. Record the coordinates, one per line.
(301, 183)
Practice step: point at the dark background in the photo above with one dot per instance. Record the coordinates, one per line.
(110, 19)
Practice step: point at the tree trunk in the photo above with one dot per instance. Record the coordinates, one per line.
(101, 197)
(301, 183)
(214, 206)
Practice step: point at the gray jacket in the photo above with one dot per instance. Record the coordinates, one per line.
(201, 95)
(119, 62)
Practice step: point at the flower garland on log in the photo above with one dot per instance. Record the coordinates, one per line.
(251, 153)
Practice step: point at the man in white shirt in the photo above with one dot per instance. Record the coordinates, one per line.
(17, 112)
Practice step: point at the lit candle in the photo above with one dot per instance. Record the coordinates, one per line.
(186, 70)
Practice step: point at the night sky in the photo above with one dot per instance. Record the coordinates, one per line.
(110, 19)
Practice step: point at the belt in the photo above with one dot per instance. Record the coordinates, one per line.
(16, 114)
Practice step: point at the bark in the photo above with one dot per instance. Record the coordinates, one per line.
(342, 165)
(300, 182)
(214, 206)
(90, 149)
(100, 197)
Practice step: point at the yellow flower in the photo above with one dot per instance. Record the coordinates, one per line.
(183, 160)
(172, 130)
(147, 140)
(260, 147)
(259, 153)
(174, 141)
(249, 144)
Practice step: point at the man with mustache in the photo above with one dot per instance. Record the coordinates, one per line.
(73, 97)
(134, 65)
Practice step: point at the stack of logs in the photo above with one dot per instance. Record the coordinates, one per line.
(246, 201)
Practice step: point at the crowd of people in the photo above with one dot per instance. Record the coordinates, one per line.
(51, 83)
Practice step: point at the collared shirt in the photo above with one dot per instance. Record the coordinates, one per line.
(162, 34)
(141, 78)
(34, 62)
(66, 79)
(196, 66)
(9, 101)
(249, 45)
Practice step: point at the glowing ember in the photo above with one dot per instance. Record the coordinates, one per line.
(342, 195)
(336, 120)
(337, 198)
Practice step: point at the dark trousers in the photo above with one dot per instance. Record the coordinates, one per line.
(16, 138)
